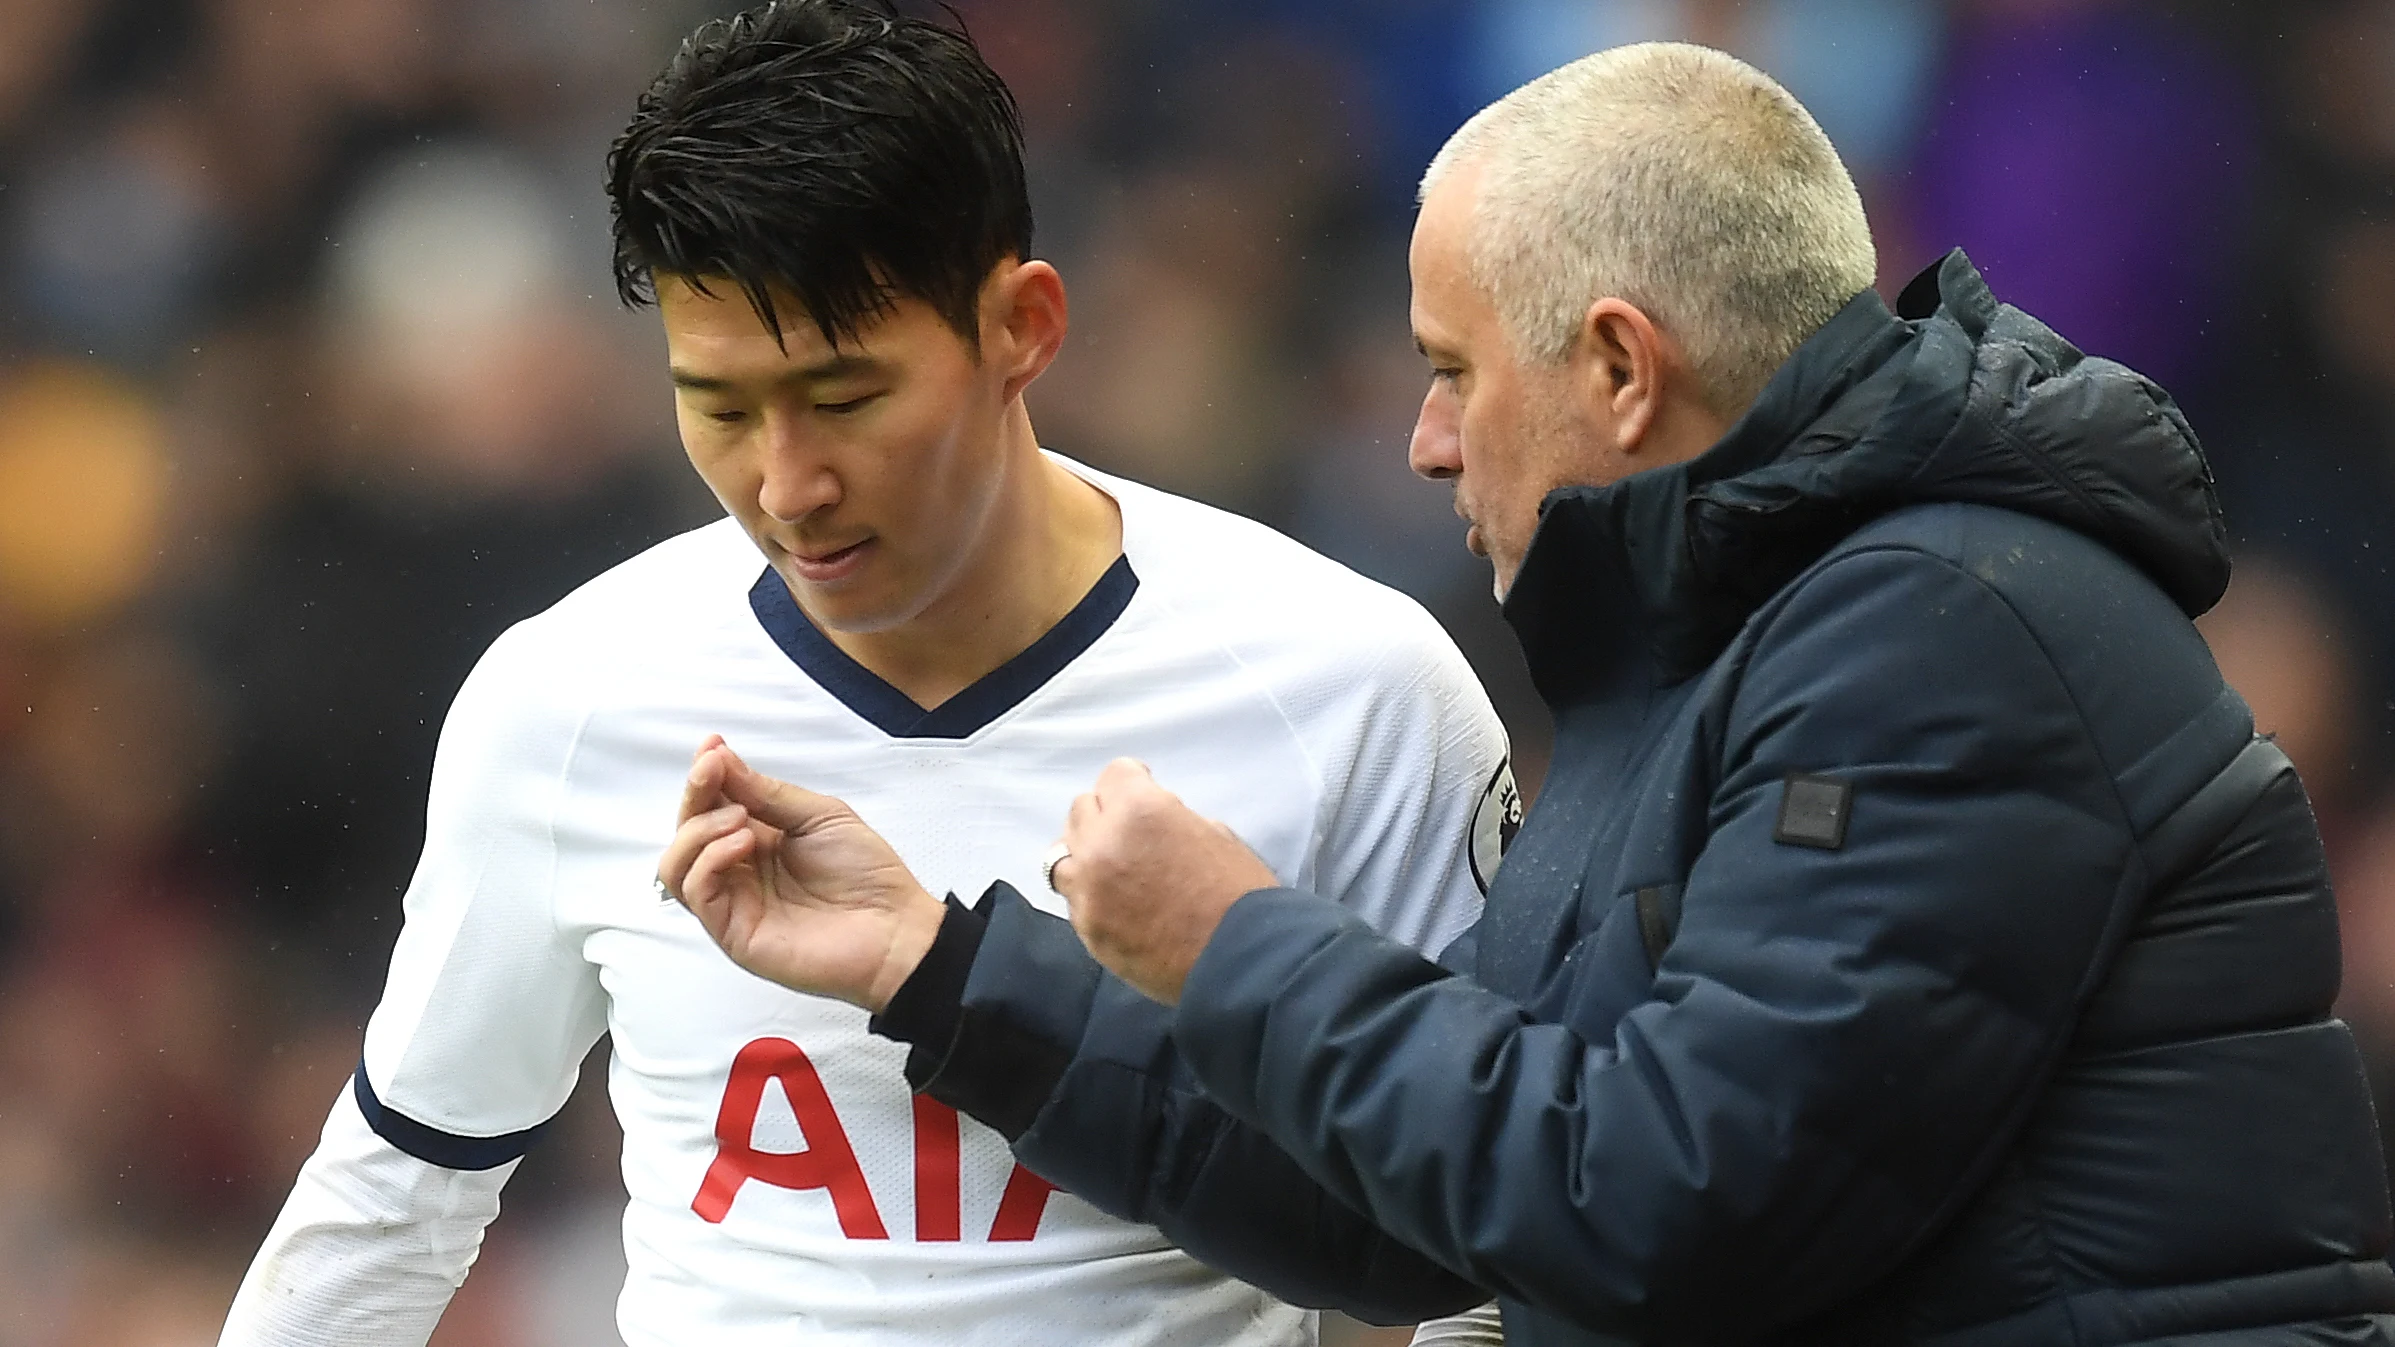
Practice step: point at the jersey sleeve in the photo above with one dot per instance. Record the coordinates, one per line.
(1481, 1326)
(1419, 794)
(485, 1018)
(489, 1008)
(368, 1248)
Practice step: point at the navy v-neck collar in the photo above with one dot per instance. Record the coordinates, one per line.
(1000, 690)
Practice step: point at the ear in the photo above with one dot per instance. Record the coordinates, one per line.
(1023, 321)
(1625, 366)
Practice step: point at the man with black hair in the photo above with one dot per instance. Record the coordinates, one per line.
(953, 629)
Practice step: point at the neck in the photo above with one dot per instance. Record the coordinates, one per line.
(1050, 537)
(1686, 432)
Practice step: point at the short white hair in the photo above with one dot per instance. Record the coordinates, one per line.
(1678, 178)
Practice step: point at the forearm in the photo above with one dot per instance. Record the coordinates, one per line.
(368, 1249)
(1228, 1195)
(1080, 1074)
(1613, 1183)
(1550, 1169)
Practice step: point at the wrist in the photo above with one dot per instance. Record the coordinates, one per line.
(916, 924)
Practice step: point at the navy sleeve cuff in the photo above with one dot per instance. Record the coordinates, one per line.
(433, 1146)
(1024, 1010)
(927, 1009)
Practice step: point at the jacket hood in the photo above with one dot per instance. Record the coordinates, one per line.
(1954, 397)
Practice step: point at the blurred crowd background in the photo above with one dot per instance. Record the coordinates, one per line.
(312, 381)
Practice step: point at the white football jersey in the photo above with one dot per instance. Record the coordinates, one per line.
(785, 1185)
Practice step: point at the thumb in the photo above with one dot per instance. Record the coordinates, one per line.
(776, 803)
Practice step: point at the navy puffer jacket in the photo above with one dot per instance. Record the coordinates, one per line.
(1911, 944)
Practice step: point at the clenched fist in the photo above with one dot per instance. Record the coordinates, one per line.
(1148, 879)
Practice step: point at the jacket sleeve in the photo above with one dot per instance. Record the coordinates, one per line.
(1080, 1073)
(1839, 1042)
(484, 1021)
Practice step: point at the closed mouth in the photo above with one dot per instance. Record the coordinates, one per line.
(828, 558)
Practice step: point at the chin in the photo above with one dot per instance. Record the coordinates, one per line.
(1502, 576)
(854, 607)
(854, 615)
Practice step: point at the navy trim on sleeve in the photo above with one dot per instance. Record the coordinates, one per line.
(993, 695)
(434, 1146)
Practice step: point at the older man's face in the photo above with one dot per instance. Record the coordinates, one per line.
(1504, 431)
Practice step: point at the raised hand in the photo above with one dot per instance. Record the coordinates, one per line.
(793, 885)
(1148, 879)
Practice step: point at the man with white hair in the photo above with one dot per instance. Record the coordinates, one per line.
(1912, 942)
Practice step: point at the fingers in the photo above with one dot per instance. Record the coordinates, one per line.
(692, 839)
(714, 889)
(1082, 817)
(719, 776)
(702, 790)
(1124, 776)
(775, 803)
(710, 875)
(1086, 829)
(1126, 791)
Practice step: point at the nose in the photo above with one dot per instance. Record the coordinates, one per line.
(1437, 449)
(795, 481)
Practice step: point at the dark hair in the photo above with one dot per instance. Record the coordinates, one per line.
(835, 150)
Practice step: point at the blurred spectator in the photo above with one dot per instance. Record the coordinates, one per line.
(1357, 499)
(1520, 40)
(41, 34)
(2307, 460)
(83, 492)
(2335, 83)
(2366, 920)
(1862, 67)
(125, 1135)
(298, 99)
(1391, 64)
(122, 236)
(2288, 652)
(1176, 373)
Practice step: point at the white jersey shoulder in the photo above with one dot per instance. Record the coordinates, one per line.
(635, 616)
(1263, 593)
(1393, 713)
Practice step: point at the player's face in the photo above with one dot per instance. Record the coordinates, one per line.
(868, 473)
(1504, 430)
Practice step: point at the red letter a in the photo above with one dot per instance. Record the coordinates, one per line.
(826, 1163)
(1019, 1207)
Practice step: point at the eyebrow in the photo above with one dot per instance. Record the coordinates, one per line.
(1428, 353)
(828, 368)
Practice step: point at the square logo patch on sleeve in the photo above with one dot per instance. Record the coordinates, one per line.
(1813, 811)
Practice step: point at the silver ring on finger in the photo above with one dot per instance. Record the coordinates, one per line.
(664, 894)
(1048, 864)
